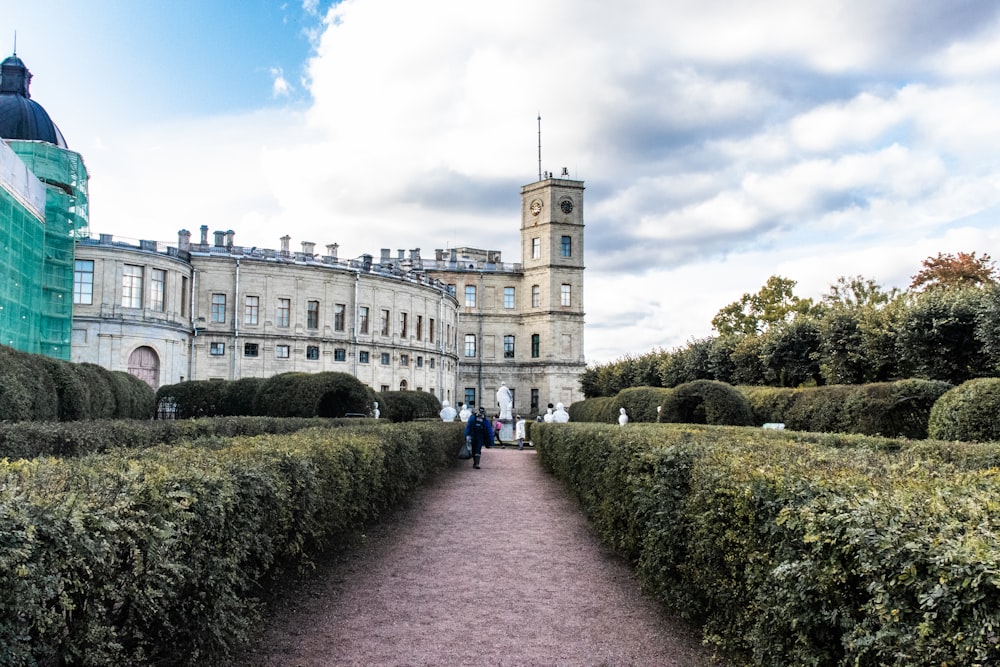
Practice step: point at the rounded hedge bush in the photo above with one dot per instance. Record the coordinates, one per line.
(640, 403)
(707, 402)
(599, 409)
(407, 406)
(968, 412)
(327, 394)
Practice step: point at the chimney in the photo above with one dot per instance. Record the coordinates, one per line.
(229, 238)
(184, 240)
(385, 256)
(402, 253)
(106, 239)
(220, 239)
(204, 234)
(308, 248)
(284, 244)
(415, 255)
(331, 250)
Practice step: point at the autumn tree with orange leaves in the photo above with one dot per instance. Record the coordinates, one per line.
(962, 270)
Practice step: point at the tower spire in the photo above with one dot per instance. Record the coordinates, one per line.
(539, 145)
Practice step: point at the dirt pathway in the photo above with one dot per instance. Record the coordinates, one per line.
(487, 567)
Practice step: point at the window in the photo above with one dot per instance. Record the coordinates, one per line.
(384, 323)
(420, 327)
(508, 297)
(384, 360)
(312, 314)
(363, 319)
(508, 347)
(132, 287)
(184, 296)
(536, 296)
(83, 282)
(536, 248)
(312, 352)
(383, 387)
(282, 351)
(534, 400)
(470, 296)
(403, 321)
(339, 315)
(536, 345)
(157, 289)
(251, 310)
(284, 312)
(430, 362)
(340, 354)
(219, 308)
(217, 349)
(250, 349)
(430, 330)
(470, 397)
(404, 360)
(470, 345)
(363, 357)
(565, 294)
(451, 289)
(420, 362)
(566, 247)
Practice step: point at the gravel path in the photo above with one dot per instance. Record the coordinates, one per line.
(486, 567)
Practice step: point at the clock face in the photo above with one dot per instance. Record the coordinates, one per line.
(536, 207)
(566, 206)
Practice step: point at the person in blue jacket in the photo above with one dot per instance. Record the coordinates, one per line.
(478, 432)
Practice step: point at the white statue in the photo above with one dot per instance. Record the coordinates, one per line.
(548, 416)
(622, 417)
(465, 413)
(448, 413)
(376, 411)
(504, 400)
(560, 416)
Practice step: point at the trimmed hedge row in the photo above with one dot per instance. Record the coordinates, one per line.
(789, 552)
(406, 406)
(897, 409)
(970, 411)
(697, 402)
(38, 388)
(156, 558)
(30, 439)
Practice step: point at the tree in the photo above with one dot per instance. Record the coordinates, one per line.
(753, 314)
(936, 336)
(963, 270)
(790, 353)
(858, 292)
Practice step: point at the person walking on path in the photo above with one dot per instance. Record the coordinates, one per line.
(478, 432)
(496, 432)
(520, 431)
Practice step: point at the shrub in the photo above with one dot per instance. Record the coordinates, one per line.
(707, 402)
(328, 394)
(406, 406)
(600, 409)
(640, 403)
(968, 412)
(238, 397)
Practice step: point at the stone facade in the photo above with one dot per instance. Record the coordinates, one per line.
(456, 326)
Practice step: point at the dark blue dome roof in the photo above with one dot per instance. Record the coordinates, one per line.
(20, 116)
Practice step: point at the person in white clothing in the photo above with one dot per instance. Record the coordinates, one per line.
(447, 413)
(622, 417)
(520, 431)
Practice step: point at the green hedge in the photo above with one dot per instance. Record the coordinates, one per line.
(706, 402)
(156, 558)
(600, 409)
(790, 552)
(38, 388)
(970, 411)
(406, 406)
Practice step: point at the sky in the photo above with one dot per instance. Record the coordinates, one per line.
(720, 141)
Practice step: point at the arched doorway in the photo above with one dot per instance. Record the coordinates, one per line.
(402, 385)
(145, 365)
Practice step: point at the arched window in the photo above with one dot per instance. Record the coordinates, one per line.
(145, 365)
(402, 385)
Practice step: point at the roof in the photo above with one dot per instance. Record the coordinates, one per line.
(21, 117)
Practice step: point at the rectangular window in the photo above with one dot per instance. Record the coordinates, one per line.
(384, 323)
(470, 397)
(430, 330)
(217, 349)
(508, 347)
(363, 319)
(219, 308)
(157, 289)
(282, 351)
(420, 327)
(470, 296)
(339, 316)
(536, 346)
(451, 289)
(470, 345)
(383, 388)
(312, 314)
(384, 359)
(250, 349)
(184, 296)
(566, 247)
(536, 248)
(251, 310)
(508, 297)
(363, 357)
(404, 360)
(536, 296)
(83, 282)
(430, 362)
(284, 312)
(340, 354)
(420, 362)
(565, 295)
(132, 287)
(534, 400)
(312, 352)
(403, 322)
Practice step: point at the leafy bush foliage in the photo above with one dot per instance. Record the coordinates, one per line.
(706, 402)
(600, 409)
(328, 394)
(968, 412)
(405, 406)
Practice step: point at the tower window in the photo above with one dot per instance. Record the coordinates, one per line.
(536, 346)
(536, 296)
(565, 295)
(566, 247)
(536, 248)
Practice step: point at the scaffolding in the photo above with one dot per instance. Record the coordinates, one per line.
(37, 246)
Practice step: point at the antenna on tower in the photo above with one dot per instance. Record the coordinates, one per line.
(539, 146)
(15, 42)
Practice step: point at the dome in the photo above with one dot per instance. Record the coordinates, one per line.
(20, 116)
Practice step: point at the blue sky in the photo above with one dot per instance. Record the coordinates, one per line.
(721, 142)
